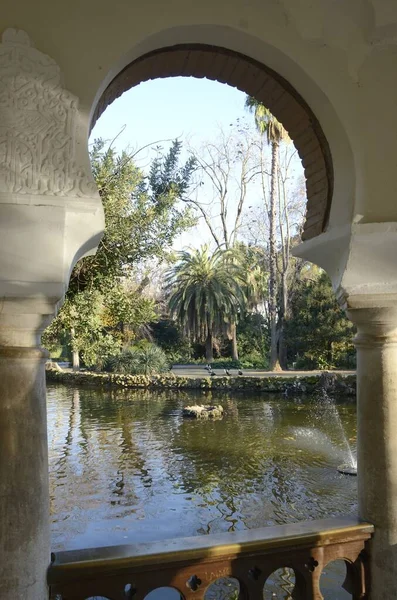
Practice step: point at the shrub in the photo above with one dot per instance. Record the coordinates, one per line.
(147, 360)
(254, 360)
(342, 356)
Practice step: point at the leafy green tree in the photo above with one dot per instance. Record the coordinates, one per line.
(252, 260)
(275, 133)
(318, 332)
(96, 322)
(82, 318)
(128, 312)
(169, 336)
(253, 338)
(206, 293)
(143, 216)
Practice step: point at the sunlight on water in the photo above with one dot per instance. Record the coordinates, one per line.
(125, 467)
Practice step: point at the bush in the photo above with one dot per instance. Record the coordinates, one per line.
(147, 360)
(341, 355)
(180, 358)
(254, 360)
(168, 335)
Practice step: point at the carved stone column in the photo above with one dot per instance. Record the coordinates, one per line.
(24, 500)
(376, 343)
(361, 260)
(50, 216)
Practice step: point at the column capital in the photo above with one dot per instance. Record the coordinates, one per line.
(376, 325)
(22, 322)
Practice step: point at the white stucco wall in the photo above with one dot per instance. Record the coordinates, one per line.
(339, 55)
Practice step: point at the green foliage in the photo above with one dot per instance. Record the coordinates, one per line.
(245, 265)
(266, 122)
(57, 343)
(83, 318)
(168, 335)
(253, 335)
(254, 360)
(143, 216)
(97, 320)
(250, 361)
(127, 311)
(319, 335)
(252, 260)
(206, 291)
(146, 360)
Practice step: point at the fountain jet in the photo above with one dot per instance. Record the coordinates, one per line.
(350, 467)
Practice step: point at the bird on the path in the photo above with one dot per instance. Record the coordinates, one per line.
(227, 372)
(240, 372)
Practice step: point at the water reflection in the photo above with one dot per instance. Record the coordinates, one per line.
(126, 467)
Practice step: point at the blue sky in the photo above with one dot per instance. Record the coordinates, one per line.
(164, 109)
(170, 108)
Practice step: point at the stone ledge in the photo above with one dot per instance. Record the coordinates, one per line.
(335, 383)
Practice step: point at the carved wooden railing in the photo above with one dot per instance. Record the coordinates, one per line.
(191, 565)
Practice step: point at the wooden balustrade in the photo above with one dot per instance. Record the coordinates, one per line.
(191, 565)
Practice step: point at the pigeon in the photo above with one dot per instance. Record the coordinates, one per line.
(227, 372)
(240, 372)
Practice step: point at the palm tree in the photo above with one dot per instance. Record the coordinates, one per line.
(206, 293)
(267, 124)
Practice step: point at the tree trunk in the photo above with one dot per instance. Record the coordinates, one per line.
(282, 349)
(75, 353)
(208, 348)
(233, 330)
(273, 258)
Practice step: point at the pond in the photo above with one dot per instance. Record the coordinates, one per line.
(126, 467)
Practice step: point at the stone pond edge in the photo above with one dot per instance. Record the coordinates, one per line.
(332, 382)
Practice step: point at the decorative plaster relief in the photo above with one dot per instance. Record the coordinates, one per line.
(37, 125)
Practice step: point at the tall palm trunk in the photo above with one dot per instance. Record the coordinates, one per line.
(233, 330)
(273, 258)
(208, 348)
(233, 325)
(282, 349)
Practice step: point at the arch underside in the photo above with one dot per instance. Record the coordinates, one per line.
(257, 80)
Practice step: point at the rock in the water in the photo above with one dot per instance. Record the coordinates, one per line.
(203, 412)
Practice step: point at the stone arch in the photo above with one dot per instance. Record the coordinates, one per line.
(254, 78)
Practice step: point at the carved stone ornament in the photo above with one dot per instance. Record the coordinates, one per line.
(37, 125)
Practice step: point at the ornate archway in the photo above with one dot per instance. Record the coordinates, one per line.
(255, 79)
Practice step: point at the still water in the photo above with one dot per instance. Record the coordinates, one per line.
(125, 467)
